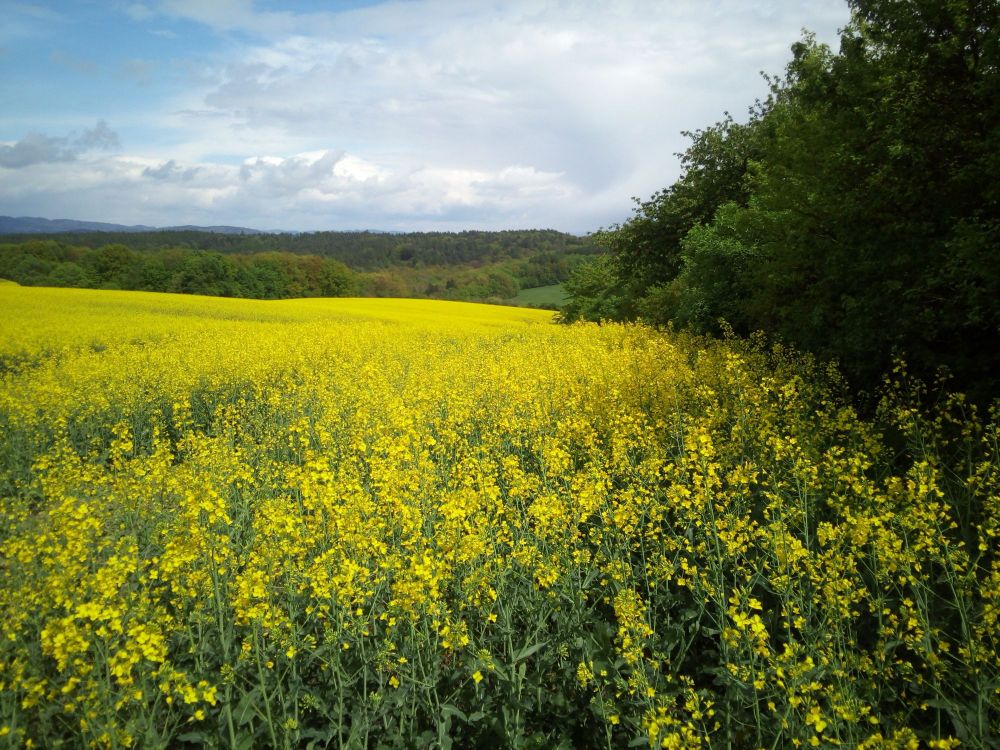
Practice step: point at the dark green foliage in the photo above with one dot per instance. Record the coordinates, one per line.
(363, 251)
(481, 266)
(856, 214)
(69, 274)
(261, 276)
(647, 248)
(596, 293)
(206, 273)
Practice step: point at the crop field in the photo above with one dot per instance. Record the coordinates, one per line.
(401, 523)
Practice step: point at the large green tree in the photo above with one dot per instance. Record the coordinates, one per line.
(646, 249)
(856, 215)
(875, 205)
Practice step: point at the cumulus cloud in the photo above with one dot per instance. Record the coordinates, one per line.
(599, 93)
(291, 173)
(419, 114)
(37, 148)
(312, 190)
(99, 137)
(170, 170)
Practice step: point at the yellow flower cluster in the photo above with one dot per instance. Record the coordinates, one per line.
(334, 520)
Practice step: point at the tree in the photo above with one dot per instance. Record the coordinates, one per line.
(646, 250)
(856, 214)
(206, 273)
(873, 210)
(334, 279)
(68, 274)
(596, 292)
(112, 265)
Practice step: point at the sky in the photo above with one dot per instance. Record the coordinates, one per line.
(405, 115)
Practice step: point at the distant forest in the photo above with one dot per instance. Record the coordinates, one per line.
(480, 266)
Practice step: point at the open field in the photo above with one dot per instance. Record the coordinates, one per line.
(541, 295)
(396, 523)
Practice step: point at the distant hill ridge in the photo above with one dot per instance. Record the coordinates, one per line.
(38, 225)
(468, 265)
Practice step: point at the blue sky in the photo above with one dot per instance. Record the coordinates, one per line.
(407, 115)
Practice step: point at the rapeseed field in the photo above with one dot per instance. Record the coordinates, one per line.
(400, 523)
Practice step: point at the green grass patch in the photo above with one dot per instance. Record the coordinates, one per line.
(541, 296)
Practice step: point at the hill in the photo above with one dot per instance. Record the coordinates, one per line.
(33, 225)
(476, 266)
(38, 225)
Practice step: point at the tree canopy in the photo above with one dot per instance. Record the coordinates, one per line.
(855, 212)
(481, 266)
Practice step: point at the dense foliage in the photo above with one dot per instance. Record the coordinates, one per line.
(464, 266)
(263, 275)
(366, 251)
(856, 214)
(371, 523)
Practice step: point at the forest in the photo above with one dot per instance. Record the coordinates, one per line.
(481, 266)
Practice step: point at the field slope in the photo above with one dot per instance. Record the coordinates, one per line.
(398, 523)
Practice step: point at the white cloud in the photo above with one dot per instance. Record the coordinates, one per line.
(34, 148)
(597, 93)
(170, 170)
(310, 191)
(432, 113)
(38, 148)
(99, 137)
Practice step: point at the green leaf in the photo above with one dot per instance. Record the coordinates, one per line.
(527, 651)
(246, 709)
(449, 710)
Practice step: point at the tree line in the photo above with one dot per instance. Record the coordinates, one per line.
(487, 271)
(272, 275)
(854, 214)
(367, 251)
